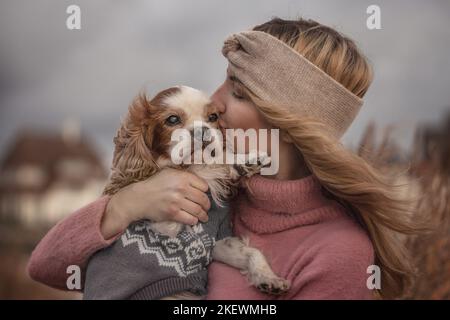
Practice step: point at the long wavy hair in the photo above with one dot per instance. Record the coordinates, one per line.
(376, 200)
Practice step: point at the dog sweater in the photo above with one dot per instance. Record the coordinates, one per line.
(144, 264)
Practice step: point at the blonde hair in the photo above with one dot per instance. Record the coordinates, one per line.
(374, 200)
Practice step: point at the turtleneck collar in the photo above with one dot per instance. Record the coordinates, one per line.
(270, 205)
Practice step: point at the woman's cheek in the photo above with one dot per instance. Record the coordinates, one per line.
(245, 117)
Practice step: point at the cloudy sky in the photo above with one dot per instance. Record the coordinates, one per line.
(49, 74)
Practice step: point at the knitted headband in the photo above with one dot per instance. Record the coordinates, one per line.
(280, 76)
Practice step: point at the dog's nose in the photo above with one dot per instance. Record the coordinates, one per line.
(202, 134)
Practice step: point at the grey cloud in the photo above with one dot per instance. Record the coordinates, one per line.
(48, 73)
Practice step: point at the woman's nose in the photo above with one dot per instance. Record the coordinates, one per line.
(216, 99)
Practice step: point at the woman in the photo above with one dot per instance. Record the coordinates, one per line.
(322, 220)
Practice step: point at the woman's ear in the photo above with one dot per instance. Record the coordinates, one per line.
(133, 160)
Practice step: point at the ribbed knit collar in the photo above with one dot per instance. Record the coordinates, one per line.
(270, 205)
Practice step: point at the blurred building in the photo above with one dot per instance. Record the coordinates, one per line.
(45, 176)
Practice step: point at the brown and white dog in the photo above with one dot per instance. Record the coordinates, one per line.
(143, 146)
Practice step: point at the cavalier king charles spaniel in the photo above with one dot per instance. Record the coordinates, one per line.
(144, 145)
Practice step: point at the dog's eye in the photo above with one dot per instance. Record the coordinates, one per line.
(173, 120)
(213, 117)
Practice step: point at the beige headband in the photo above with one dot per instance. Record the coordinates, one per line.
(280, 76)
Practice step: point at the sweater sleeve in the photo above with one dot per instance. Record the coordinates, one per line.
(70, 242)
(338, 271)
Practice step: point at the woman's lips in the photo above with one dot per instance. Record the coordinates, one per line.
(222, 127)
(222, 124)
(222, 130)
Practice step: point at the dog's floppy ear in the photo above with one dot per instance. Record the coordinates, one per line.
(133, 160)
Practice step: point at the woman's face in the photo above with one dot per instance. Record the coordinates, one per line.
(237, 112)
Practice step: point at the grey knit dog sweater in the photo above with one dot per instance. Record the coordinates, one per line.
(143, 264)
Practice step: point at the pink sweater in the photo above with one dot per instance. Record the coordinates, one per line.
(306, 238)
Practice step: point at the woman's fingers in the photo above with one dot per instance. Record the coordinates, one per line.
(198, 183)
(198, 197)
(185, 218)
(196, 201)
(194, 209)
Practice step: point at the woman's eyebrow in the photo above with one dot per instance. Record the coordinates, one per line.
(230, 76)
(233, 78)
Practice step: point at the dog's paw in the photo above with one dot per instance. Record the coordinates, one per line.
(269, 283)
(259, 159)
(254, 163)
(275, 286)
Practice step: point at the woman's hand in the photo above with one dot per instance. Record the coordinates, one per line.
(168, 195)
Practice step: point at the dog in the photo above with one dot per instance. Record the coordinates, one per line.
(144, 146)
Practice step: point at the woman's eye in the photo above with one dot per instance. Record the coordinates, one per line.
(213, 117)
(234, 94)
(173, 120)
